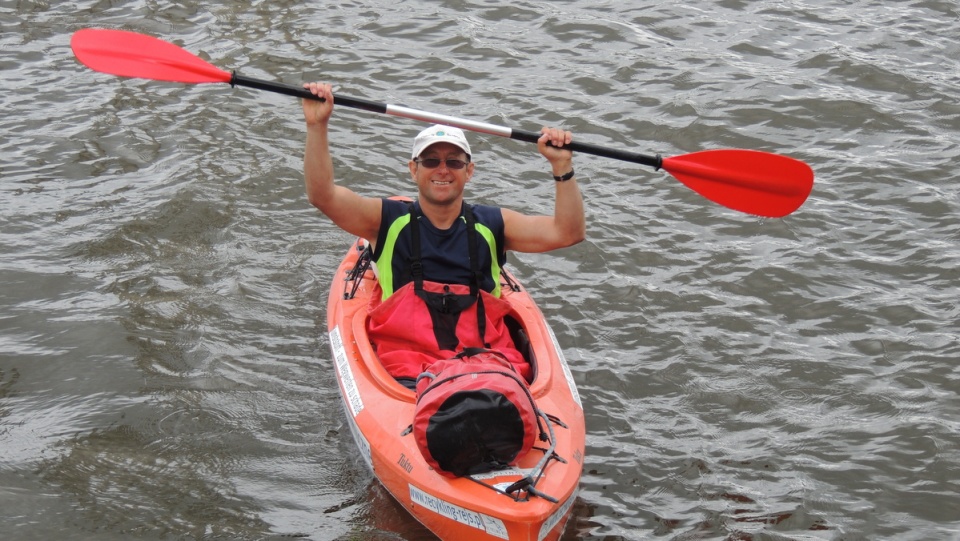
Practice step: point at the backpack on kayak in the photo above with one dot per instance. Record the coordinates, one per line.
(474, 414)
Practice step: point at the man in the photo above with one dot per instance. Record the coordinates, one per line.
(439, 276)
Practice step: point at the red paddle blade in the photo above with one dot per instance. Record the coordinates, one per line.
(129, 54)
(746, 180)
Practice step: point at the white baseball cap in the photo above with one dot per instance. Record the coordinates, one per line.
(439, 134)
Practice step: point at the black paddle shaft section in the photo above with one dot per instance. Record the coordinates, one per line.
(300, 92)
(376, 107)
(635, 157)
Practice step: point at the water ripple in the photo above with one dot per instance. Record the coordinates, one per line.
(163, 365)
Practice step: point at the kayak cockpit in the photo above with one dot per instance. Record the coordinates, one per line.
(363, 273)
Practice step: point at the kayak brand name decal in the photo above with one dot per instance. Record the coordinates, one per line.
(493, 526)
(405, 463)
(351, 393)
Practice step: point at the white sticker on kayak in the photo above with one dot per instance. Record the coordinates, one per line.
(566, 368)
(351, 394)
(361, 442)
(556, 517)
(493, 526)
(513, 471)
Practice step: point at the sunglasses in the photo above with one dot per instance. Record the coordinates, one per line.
(433, 163)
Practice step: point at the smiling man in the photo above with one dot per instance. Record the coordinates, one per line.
(440, 279)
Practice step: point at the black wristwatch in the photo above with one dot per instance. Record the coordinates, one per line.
(565, 177)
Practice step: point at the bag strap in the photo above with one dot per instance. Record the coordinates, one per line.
(416, 266)
(473, 352)
(472, 235)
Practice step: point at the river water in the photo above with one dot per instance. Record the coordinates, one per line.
(164, 370)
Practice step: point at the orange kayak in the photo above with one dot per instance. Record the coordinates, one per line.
(530, 501)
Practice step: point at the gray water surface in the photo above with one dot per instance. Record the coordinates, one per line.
(164, 371)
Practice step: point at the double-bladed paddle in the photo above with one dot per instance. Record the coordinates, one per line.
(749, 181)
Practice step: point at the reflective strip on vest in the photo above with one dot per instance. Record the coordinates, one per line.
(487, 235)
(386, 254)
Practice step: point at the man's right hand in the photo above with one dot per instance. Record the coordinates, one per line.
(317, 112)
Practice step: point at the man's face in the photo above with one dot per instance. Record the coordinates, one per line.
(443, 184)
